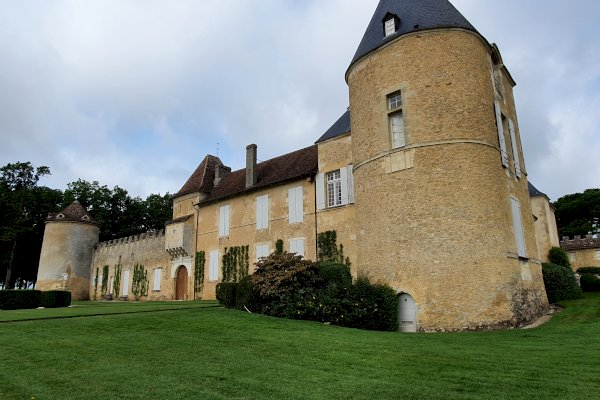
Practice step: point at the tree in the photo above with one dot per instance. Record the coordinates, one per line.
(23, 209)
(578, 213)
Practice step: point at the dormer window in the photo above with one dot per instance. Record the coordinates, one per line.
(60, 216)
(390, 24)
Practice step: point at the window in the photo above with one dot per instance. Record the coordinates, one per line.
(597, 254)
(334, 188)
(126, 284)
(390, 26)
(295, 209)
(518, 227)
(501, 140)
(396, 120)
(262, 212)
(157, 274)
(515, 149)
(262, 250)
(213, 266)
(572, 256)
(297, 246)
(224, 212)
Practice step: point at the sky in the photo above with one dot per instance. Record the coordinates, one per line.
(136, 93)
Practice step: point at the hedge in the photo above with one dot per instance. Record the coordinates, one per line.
(226, 293)
(558, 256)
(560, 283)
(589, 283)
(56, 299)
(589, 270)
(15, 299)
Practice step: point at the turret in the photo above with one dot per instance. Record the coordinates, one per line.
(437, 156)
(67, 251)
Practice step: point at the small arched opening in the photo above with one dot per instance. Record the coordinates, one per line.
(181, 279)
(407, 313)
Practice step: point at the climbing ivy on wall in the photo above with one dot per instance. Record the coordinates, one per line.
(328, 250)
(199, 272)
(96, 283)
(117, 281)
(104, 285)
(236, 262)
(139, 283)
(279, 246)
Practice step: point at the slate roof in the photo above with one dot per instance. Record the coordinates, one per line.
(180, 219)
(295, 165)
(75, 212)
(580, 243)
(202, 178)
(415, 15)
(533, 191)
(341, 126)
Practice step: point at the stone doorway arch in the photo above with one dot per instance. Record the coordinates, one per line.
(407, 313)
(181, 279)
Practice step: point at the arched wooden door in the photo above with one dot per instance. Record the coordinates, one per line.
(181, 283)
(407, 313)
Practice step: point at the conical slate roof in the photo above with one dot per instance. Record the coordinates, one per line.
(414, 15)
(75, 212)
(533, 191)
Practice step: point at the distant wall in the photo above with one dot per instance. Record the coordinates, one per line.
(147, 249)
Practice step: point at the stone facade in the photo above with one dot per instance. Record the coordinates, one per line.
(546, 232)
(582, 251)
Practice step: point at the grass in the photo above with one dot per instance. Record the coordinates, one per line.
(213, 353)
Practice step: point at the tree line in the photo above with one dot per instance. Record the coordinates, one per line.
(24, 207)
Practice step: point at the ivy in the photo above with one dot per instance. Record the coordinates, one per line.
(117, 280)
(279, 246)
(236, 263)
(139, 283)
(328, 250)
(199, 272)
(104, 285)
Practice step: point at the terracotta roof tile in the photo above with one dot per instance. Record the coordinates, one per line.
(202, 178)
(295, 165)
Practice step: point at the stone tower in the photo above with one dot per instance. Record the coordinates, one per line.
(437, 156)
(67, 251)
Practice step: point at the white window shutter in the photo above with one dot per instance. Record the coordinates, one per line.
(227, 219)
(157, 273)
(299, 204)
(513, 141)
(126, 283)
(518, 227)
(344, 183)
(221, 223)
(292, 206)
(213, 273)
(300, 247)
(397, 128)
(350, 184)
(320, 189)
(501, 140)
(293, 247)
(265, 212)
(259, 212)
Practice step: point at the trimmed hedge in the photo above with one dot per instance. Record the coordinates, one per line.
(56, 299)
(334, 273)
(245, 297)
(558, 256)
(226, 293)
(15, 299)
(589, 283)
(560, 283)
(589, 270)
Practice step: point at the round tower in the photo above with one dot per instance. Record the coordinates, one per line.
(431, 104)
(67, 251)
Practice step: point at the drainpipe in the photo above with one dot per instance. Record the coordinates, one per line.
(194, 258)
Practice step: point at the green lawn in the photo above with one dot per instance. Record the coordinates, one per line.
(205, 352)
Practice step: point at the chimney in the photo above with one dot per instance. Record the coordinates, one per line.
(250, 165)
(221, 172)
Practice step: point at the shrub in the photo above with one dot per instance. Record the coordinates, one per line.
(558, 256)
(245, 297)
(560, 283)
(334, 273)
(589, 283)
(11, 299)
(589, 270)
(226, 293)
(371, 306)
(56, 298)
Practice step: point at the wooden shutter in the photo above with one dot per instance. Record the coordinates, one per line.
(213, 273)
(265, 211)
(300, 247)
(320, 189)
(157, 273)
(292, 205)
(126, 283)
(518, 227)
(259, 212)
(344, 185)
(224, 221)
(501, 140)
(397, 129)
(299, 202)
(350, 184)
(513, 141)
(293, 246)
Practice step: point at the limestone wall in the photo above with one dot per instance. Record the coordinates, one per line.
(66, 256)
(438, 224)
(546, 232)
(146, 249)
